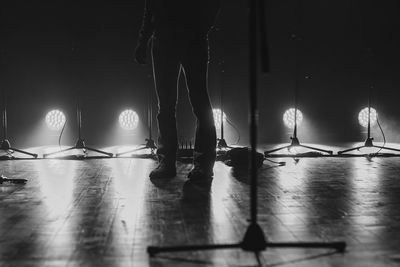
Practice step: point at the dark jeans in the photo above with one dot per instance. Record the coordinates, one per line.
(188, 54)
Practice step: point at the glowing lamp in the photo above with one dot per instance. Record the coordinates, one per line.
(217, 117)
(288, 117)
(363, 117)
(55, 120)
(128, 120)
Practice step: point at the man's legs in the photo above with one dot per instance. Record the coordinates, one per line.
(166, 67)
(195, 65)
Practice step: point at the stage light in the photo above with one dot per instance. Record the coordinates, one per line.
(363, 117)
(128, 119)
(288, 117)
(55, 120)
(217, 117)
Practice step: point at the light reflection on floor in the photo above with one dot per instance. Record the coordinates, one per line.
(367, 193)
(221, 207)
(110, 206)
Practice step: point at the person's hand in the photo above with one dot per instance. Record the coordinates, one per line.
(140, 55)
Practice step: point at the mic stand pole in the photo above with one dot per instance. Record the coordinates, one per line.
(254, 239)
(221, 142)
(80, 143)
(294, 139)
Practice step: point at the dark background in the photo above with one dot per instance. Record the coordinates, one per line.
(39, 74)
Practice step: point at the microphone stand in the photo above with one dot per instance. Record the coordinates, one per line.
(294, 139)
(254, 239)
(80, 143)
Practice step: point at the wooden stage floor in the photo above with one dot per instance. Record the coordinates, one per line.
(105, 212)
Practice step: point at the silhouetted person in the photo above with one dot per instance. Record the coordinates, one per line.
(177, 31)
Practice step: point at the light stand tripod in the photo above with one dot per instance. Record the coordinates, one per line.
(80, 143)
(5, 143)
(254, 239)
(368, 141)
(150, 143)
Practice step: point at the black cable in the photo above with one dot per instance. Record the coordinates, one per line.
(61, 133)
(384, 139)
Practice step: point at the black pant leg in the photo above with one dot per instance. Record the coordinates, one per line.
(195, 65)
(166, 68)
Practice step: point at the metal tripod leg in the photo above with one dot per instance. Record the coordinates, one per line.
(6, 146)
(254, 240)
(317, 149)
(150, 144)
(99, 151)
(387, 148)
(340, 246)
(135, 150)
(277, 149)
(60, 151)
(350, 149)
(24, 152)
(155, 250)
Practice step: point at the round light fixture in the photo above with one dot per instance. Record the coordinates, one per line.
(55, 120)
(363, 117)
(288, 117)
(128, 119)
